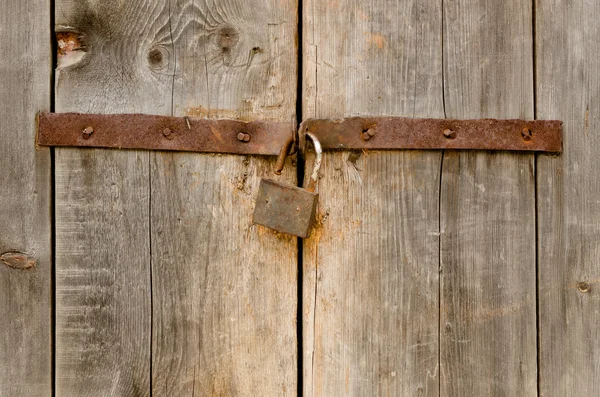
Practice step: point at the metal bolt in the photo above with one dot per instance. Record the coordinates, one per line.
(583, 286)
(448, 133)
(243, 137)
(87, 132)
(168, 133)
(368, 134)
(526, 134)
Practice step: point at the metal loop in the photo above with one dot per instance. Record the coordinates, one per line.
(314, 176)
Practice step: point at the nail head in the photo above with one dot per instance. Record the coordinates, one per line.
(168, 133)
(87, 132)
(243, 137)
(367, 134)
(448, 133)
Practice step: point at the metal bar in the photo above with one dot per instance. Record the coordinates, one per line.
(406, 133)
(140, 131)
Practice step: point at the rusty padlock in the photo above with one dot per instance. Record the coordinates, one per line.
(286, 208)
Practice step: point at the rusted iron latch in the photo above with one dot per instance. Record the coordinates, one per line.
(405, 133)
(138, 131)
(141, 131)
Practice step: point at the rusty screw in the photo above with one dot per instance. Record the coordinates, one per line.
(368, 134)
(526, 134)
(87, 132)
(243, 137)
(448, 133)
(168, 133)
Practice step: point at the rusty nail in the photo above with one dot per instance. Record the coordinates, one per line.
(526, 134)
(168, 133)
(583, 286)
(448, 133)
(243, 137)
(368, 134)
(87, 132)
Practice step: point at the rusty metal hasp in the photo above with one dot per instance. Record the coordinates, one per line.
(285, 208)
(406, 133)
(141, 131)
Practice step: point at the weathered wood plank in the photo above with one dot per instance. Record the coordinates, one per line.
(103, 296)
(568, 88)
(370, 293)
(25, 219)
(174, 58)
(224, 291)
(487, 282)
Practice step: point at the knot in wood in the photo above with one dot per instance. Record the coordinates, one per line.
(158, 58)
(227, 38)
(18, 260)
(583, 286)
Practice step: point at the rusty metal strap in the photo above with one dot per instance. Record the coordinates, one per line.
(140, 131)
(405, 133)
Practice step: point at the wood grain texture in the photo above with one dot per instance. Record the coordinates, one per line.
(487, 282)
(224, 291)
(568, 88)
(25, 218)
(370, 291)
(103, 275)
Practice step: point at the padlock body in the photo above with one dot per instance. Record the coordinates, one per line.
(285, 208)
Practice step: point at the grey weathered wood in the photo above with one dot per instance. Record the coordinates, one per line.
(224, 291)
(371, 268)
(487, 282)
(103, 275)
(25, 220)
(568, 88)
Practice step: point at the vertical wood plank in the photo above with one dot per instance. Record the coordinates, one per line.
(224, 290)
(488, 299)
(25, 219)
(568, 88)
(370, 293)
(108, 63)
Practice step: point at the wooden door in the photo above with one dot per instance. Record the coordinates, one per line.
(429, 273)
(452, 273)
(163, 285)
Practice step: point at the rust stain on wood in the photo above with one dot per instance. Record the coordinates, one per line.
(202, 112)
(377, 40)
(68, 42)
(70, 47)
(18, 260)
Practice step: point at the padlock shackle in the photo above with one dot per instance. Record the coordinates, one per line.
(314, 176)
(283, 153)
